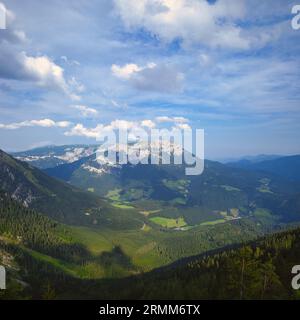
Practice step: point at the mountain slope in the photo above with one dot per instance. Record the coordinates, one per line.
(35, 189)
(256, 270)
(26, 227)
(266, 273)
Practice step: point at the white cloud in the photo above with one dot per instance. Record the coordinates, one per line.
(85, 111)
(81, 131)
(126, 71)
(148, 124)
(152, 77)
(100, 129)
(63, 124)
(163, 119)
(180, 120)
(39, 69)
(46, 72)
(46, 123)
(121, 124)
(183, 126)
(192, 21)
(134, 126)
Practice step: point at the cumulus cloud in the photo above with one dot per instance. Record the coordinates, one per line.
(192, 21)
(121, 125)
(45, 71)
(81, 131)
(148, 124)
(162, 78)
(152, 77)
(46, 123)
(126, 71)
(85, 111)
(40, 70)
(183, 126)
(16, 64)
(134, 126)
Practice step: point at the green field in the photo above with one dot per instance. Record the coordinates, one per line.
(114, 194)
(117, 200)
(168, 222)
(139, 245)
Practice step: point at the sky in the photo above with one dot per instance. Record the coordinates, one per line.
(71, 69)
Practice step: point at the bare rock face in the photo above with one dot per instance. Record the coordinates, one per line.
(15, 181)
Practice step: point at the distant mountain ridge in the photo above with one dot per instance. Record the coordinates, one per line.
(286, 167)
(52, 156)
(221, 189)
(251, 159)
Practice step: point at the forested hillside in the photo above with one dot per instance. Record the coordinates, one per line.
(258, 270)
(25, 227)
(57, 199)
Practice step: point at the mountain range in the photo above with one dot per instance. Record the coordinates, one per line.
(81, 220)
(285, 167)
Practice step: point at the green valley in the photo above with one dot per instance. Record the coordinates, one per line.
(151, 218)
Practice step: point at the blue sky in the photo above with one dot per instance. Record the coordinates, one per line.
(68, 68)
